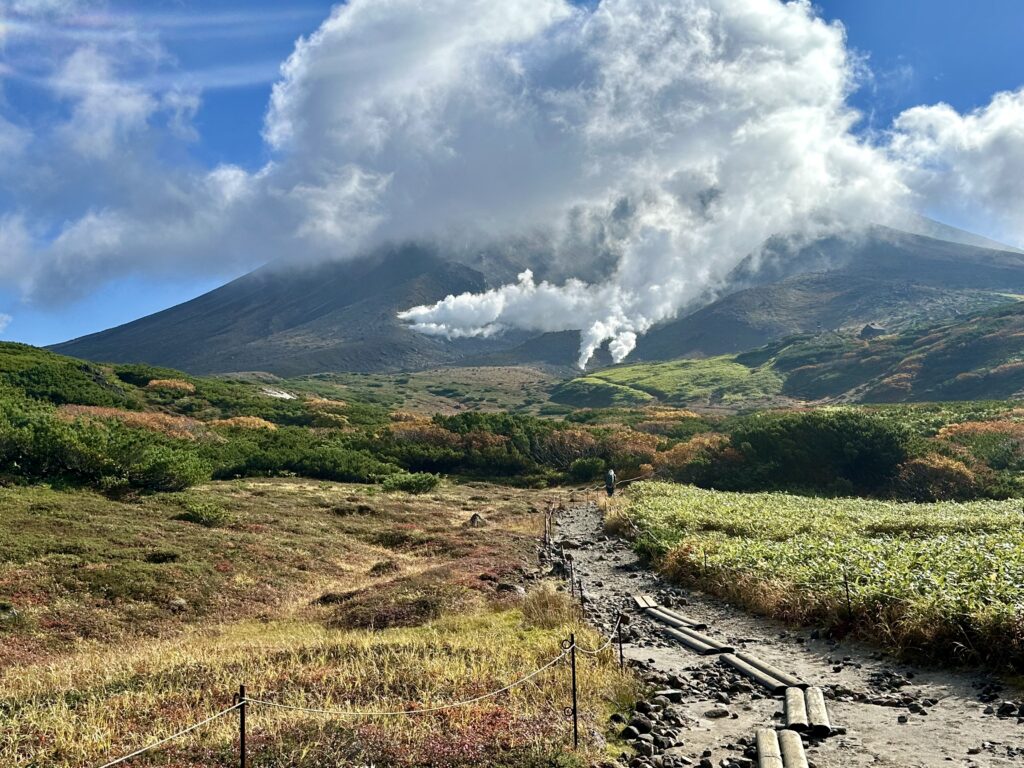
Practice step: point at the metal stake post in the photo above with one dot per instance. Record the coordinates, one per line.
(241, 726)
(575, 706)
(622, 660)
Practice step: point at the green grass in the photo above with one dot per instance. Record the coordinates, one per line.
(443, 390)
(941, 579)
(595, 392)
(712, 381)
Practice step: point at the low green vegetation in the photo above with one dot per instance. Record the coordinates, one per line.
(443, 390)
(940, 580)
(977, 357)
(173, 431)
(716, 380)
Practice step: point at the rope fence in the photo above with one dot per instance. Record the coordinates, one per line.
(242, 702)
(569, 650)
(173, 736)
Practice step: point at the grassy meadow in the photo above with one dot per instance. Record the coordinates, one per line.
(122, 622)
(935, 579)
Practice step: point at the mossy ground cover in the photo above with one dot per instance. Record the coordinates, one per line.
(121, 623)
(942, 580)
(712, 381)
(441, 390)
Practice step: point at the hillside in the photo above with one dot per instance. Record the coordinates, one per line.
(893, 278)
(338, 316)
(341, 317)
(978, 357)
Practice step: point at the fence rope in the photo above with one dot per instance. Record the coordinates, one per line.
(438, 708)
(607, 643)
(173, 736)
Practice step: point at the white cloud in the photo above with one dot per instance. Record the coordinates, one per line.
(970, 164)
(107, 111)
(687, 134)
(5, 320)
(654, 142)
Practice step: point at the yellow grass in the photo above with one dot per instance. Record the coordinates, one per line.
(245, 422)
(175, 385)
(283, 619)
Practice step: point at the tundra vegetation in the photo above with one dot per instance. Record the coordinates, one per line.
(939, 580)
(167, 537)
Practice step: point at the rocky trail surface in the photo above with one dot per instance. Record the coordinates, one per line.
(885, 712)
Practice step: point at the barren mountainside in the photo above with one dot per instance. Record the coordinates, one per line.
(341, 316)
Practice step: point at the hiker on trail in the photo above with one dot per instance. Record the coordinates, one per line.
(609, 482)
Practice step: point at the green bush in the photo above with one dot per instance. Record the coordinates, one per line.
(167, 468)
(418, 482)
(43, 375)
(38, 445)
(205, 513)
(831, 450)
(585, 470)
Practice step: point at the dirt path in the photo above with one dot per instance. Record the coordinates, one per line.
(868, 692)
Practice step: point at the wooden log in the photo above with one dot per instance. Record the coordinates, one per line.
(657, 614)
(796, 710)
(769, 754)
(758, 676)
(817, 714)
(792, 749)
(775, 672)
(691, 623)
(695, 645)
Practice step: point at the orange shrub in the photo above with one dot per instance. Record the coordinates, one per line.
(563, 446)
(425, 432)
(406, 416)
(627, 448)
(325, 405)
(181, 427)
(935, 478)
(969, 429)
(686, 461)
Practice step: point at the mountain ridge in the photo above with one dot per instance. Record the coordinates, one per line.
(342, 316)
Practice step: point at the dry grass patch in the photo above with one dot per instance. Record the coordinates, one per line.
(245, 422)
(132, 625)
(172, 385)
(181, 427)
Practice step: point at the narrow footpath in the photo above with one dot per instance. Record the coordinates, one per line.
(886, 713)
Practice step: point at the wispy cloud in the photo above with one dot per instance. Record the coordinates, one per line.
(99, 28)
(5, 320)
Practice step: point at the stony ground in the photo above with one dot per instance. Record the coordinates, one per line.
(886, 713)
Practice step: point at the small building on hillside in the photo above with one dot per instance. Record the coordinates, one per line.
(871, 331)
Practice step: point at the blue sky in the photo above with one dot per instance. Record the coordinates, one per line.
(220, 59)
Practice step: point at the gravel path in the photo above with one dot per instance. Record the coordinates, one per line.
(893, 714)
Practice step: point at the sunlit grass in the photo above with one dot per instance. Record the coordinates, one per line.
(943, 579)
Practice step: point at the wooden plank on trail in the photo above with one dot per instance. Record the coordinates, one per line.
(644, 601)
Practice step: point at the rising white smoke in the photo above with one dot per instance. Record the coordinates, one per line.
(687, 133)
(655, 142)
